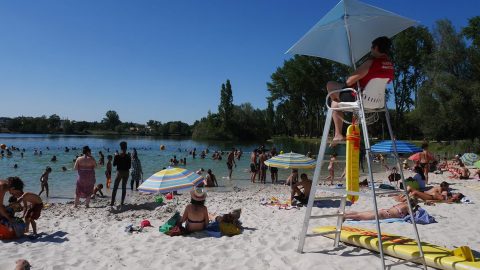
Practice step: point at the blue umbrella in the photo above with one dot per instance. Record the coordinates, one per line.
(345, 33)
(402, 147)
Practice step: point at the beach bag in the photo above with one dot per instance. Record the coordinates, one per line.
(229, 229)
(165, 228)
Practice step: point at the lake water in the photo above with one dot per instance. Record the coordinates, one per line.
(62, 184)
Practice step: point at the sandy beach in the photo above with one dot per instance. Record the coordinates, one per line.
(95, 238)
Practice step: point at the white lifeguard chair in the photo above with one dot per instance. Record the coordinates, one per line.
(371, 100)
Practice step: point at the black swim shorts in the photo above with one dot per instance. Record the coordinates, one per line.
(253, 167)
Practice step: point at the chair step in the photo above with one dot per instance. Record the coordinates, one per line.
(341, 214)
(318, 199)
(322, 233)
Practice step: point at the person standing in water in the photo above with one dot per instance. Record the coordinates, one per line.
(231, 162)
(44, 181)
(137, 172)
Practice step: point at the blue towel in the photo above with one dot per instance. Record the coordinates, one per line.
(421, 216)
(387, 220)
(213, 229)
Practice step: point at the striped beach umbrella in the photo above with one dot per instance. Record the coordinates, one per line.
(291, 161)
(402, 147)
(469, 158)
(170, 179)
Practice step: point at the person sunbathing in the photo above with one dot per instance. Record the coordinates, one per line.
(438, 193)
(451, 198)
(196, 214)
(397, 211)
(464, 172)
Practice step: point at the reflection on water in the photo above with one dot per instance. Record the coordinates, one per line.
(62, 184)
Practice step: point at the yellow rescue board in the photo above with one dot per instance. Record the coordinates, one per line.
(352, 161)
(406, 248)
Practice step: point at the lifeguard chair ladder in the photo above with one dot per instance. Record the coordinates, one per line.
(371, 100)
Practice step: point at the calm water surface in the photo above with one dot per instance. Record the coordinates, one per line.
(62, 184)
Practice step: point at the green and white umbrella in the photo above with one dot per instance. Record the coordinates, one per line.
(291, 161)
(469, 158)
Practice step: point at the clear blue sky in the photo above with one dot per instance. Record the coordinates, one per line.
(162, 60)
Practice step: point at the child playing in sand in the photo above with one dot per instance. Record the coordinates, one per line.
(44, 180)
(331, 168)
(32, 207)
(108, 171)
(97, 189)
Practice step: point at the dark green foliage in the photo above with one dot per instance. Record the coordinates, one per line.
(225, 108)
(446, 103)
(111, 120)
(298, 89)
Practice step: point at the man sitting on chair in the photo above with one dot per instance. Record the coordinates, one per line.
(377, 66)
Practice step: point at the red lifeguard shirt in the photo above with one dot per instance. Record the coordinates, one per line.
(381, 67)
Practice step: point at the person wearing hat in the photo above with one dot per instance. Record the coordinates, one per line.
(85, 165)
(196, 213)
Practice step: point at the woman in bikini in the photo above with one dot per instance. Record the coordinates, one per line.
(196, 214)
(397, 211)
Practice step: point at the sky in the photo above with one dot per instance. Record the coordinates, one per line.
(156, 59)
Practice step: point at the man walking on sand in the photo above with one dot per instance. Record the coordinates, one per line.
(123, 162)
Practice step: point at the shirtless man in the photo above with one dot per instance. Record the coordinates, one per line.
(262, 167)
(306, 184)
(253, 165)
(13, 183)
(439, 193)
(231, 162)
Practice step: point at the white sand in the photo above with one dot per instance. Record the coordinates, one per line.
(94, 238)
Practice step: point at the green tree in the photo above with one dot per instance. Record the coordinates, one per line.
(298, 89)
(111, 120)
(54, 122)
(225, 108)
(445, 104)
(270, 116)
(412, 49)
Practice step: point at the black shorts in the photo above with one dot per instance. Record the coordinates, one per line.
(273, 170)
(347, 96)
(229, 165)
(253, 167)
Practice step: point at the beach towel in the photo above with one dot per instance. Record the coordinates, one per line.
(165, 228)
(387, 220)
(275, 202)
(421, 216)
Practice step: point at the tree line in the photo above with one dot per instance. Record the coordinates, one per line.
(110, 124)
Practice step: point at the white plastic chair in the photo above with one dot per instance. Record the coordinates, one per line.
(373, 99)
